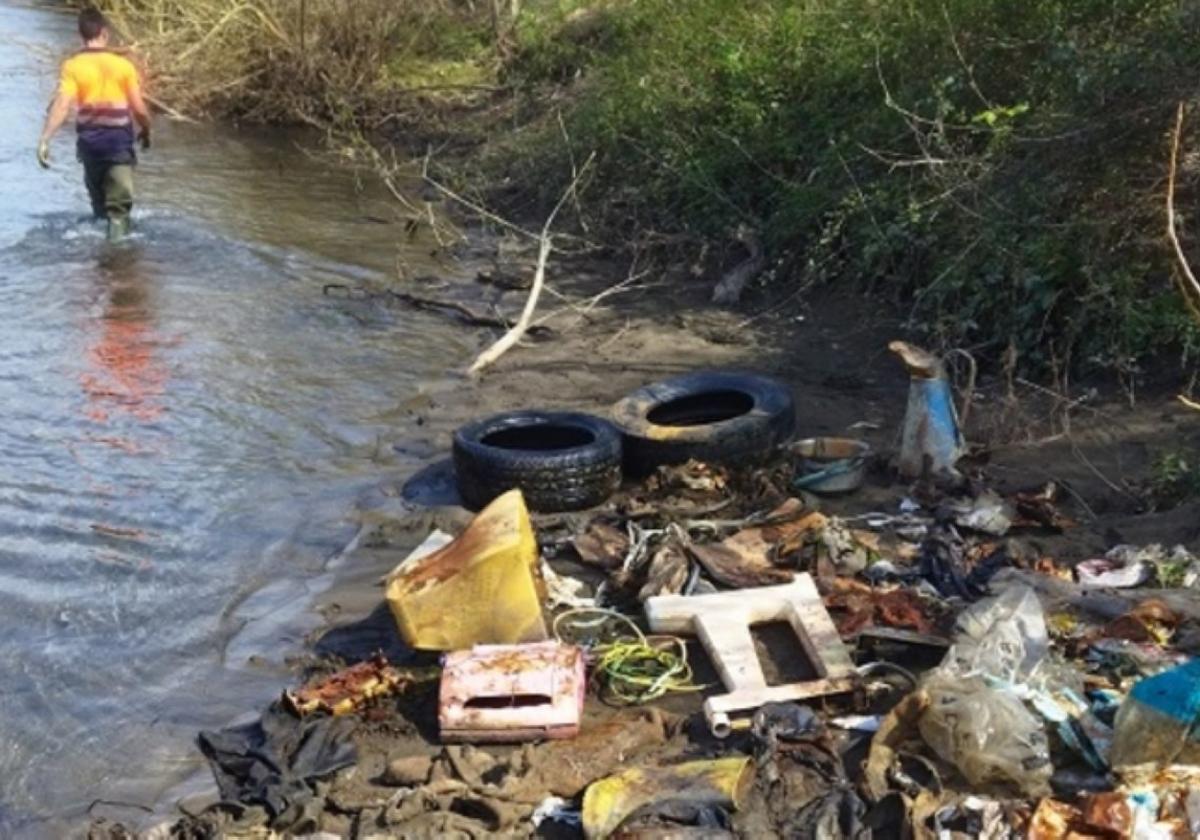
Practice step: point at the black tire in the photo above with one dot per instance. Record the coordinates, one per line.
(559, 460)
(718, 417)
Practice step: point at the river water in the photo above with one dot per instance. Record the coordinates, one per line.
(186, 421)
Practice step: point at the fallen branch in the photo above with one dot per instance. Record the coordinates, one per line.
(1188, 284)
(173, 113)
(545, 245)
(481, 211)
(462, 313)
(584, 307)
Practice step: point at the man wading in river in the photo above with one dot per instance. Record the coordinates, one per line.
(107, 93)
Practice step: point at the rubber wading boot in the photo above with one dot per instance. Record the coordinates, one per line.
(118, 228)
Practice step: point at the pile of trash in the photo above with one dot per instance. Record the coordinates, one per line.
(605, 673)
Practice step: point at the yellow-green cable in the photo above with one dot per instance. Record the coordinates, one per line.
(635, 668)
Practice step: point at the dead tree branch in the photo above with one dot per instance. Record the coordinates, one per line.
(1186, 278)
(476, 208)
(545, 245)
(1188, 283)
(463, 313)
(452, 309)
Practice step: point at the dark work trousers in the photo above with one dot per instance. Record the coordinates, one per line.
(110, 188)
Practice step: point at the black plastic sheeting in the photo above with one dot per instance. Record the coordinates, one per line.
(943, 562)
(275, 761)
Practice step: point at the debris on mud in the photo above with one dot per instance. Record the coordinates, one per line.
(741, 659)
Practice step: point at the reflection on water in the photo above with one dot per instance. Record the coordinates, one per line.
(123, 373)
(184, 423)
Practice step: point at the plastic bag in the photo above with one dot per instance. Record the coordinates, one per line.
(976, 719)
(1003, 637)
(987, 513)
(986, 733)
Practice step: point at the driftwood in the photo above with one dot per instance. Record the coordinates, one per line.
(729, 290)
(457, 310)
(545, 245)
(452, 309)
(515, 332)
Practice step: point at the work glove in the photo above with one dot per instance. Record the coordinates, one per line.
(43, 154)
(144, 138)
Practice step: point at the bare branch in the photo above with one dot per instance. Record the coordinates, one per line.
(545, 245)
(963, 60)
(471, 205)
(1188, 283)
(895, 161)
(1186, 278)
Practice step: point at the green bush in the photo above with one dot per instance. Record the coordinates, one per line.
(1175, 478)
(993, 165)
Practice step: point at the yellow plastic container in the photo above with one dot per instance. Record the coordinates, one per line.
(482, 588)
(609, 802)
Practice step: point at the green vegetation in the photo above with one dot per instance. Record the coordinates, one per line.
(1174, 479)
(994, 167)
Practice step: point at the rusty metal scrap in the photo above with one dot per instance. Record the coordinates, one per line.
(351, 688)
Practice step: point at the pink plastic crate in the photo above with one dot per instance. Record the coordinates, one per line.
(509, 693)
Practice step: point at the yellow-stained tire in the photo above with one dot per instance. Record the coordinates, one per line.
(717, 417)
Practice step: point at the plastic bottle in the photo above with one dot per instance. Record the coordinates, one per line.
(1159, 722)
(931, 441)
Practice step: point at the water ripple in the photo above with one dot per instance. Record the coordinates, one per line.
(184, 419)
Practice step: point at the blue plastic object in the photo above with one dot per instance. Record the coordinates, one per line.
(1174, 693)
(931, 440)
(1159, 722)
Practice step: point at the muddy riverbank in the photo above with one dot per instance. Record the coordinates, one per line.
(835, 359)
